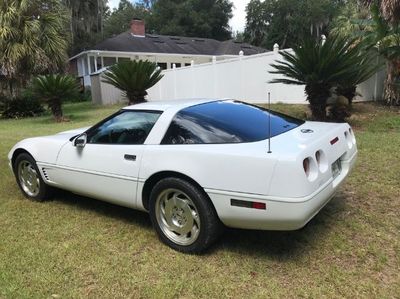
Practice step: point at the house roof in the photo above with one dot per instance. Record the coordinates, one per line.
(151, 43)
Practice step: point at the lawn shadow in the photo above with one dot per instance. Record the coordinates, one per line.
(106, 209)
(278, 245)
(283, 245)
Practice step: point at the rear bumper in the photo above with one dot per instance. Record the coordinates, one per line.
(280, 213)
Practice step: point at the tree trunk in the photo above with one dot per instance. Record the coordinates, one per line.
(136, 97)
(391, 92)
(56, 109)
(317, 95)
(348, 92)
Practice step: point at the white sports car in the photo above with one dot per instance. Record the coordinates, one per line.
(195, 165)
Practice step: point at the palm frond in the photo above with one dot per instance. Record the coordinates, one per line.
(133, 77)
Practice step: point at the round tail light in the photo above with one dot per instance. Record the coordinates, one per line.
(306, 166)
(318, 157)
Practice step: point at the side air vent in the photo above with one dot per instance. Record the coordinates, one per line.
(46, 176)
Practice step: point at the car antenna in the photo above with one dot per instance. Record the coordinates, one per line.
(269, 123)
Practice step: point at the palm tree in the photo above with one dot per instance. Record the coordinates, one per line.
(32, 40)
(320, 67)
(386, 37)
(133, 78)
(53, 90)
(390, 9)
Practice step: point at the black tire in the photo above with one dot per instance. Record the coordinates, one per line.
(43, 191)
(206, 224)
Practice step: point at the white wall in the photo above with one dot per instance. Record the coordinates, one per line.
(245, 78)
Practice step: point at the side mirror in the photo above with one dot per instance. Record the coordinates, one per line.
(80, 141)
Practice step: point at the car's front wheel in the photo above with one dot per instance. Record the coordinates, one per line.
(29, 179)
(183, 216)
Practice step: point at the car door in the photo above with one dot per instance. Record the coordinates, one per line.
(107, 166)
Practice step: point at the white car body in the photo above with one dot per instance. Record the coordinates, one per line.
(244, 172)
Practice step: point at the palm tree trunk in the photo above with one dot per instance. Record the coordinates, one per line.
(56, 109)
(317, 96)
(348, 92)
(391, 93)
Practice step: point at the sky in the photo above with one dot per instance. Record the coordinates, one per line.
(239, 14)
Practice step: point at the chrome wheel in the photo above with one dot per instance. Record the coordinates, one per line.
(177, 217)
(28, 178)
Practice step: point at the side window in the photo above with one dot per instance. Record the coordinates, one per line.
(179, 133)
(186, 128)
(127, 127)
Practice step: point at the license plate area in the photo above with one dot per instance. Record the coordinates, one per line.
(336, 168)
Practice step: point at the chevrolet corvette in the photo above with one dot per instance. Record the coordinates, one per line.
(195, 166)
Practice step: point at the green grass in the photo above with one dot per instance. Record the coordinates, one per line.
(74, 247)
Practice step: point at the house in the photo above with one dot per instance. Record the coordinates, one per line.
(166, 51)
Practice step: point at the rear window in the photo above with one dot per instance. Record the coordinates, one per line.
(226, 122)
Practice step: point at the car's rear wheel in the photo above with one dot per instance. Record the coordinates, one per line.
(183, 216)
(29, 179)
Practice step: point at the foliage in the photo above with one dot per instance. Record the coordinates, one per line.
(32, 39)
(133, 78)
(196, 18)
(353, 20)
(338, 63)
(119, 20)
(86, 22)
(53, 90)
(371, 28)
(390, 9)
(287, 22)
(23, 106)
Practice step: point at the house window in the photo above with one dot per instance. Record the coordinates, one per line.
(187, 64)
(162, 65)
(108, 61)
(123, 59)
(85, 67)
(92, 67)
(176, 64)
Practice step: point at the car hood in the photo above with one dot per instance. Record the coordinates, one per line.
(74, 131)
(45, 148)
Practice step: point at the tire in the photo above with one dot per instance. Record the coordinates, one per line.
(29, 179)
(183, 216)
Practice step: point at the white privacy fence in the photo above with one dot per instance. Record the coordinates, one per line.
(244, 78)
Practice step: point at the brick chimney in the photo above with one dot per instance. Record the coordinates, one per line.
(138, 27)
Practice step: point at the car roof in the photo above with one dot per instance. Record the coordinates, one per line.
(170, 104)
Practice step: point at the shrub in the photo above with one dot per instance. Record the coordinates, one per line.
(23, 106)
(53, 90)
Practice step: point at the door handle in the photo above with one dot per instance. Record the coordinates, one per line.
(130, 157)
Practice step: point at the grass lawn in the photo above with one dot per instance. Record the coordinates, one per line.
(78, 247)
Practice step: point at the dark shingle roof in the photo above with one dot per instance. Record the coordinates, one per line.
(126, 42)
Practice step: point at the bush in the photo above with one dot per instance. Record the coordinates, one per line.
(85, 96)
(24, 106)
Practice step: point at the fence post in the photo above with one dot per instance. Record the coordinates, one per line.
(174, 73)
(214, 61)
(159, 85)
(241, 53)
(193, 78)
(323, 39)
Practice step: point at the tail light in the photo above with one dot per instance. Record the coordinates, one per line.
(322, 161)
(306, 166)
(348, 138)
(318, 157)
(353, 137)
